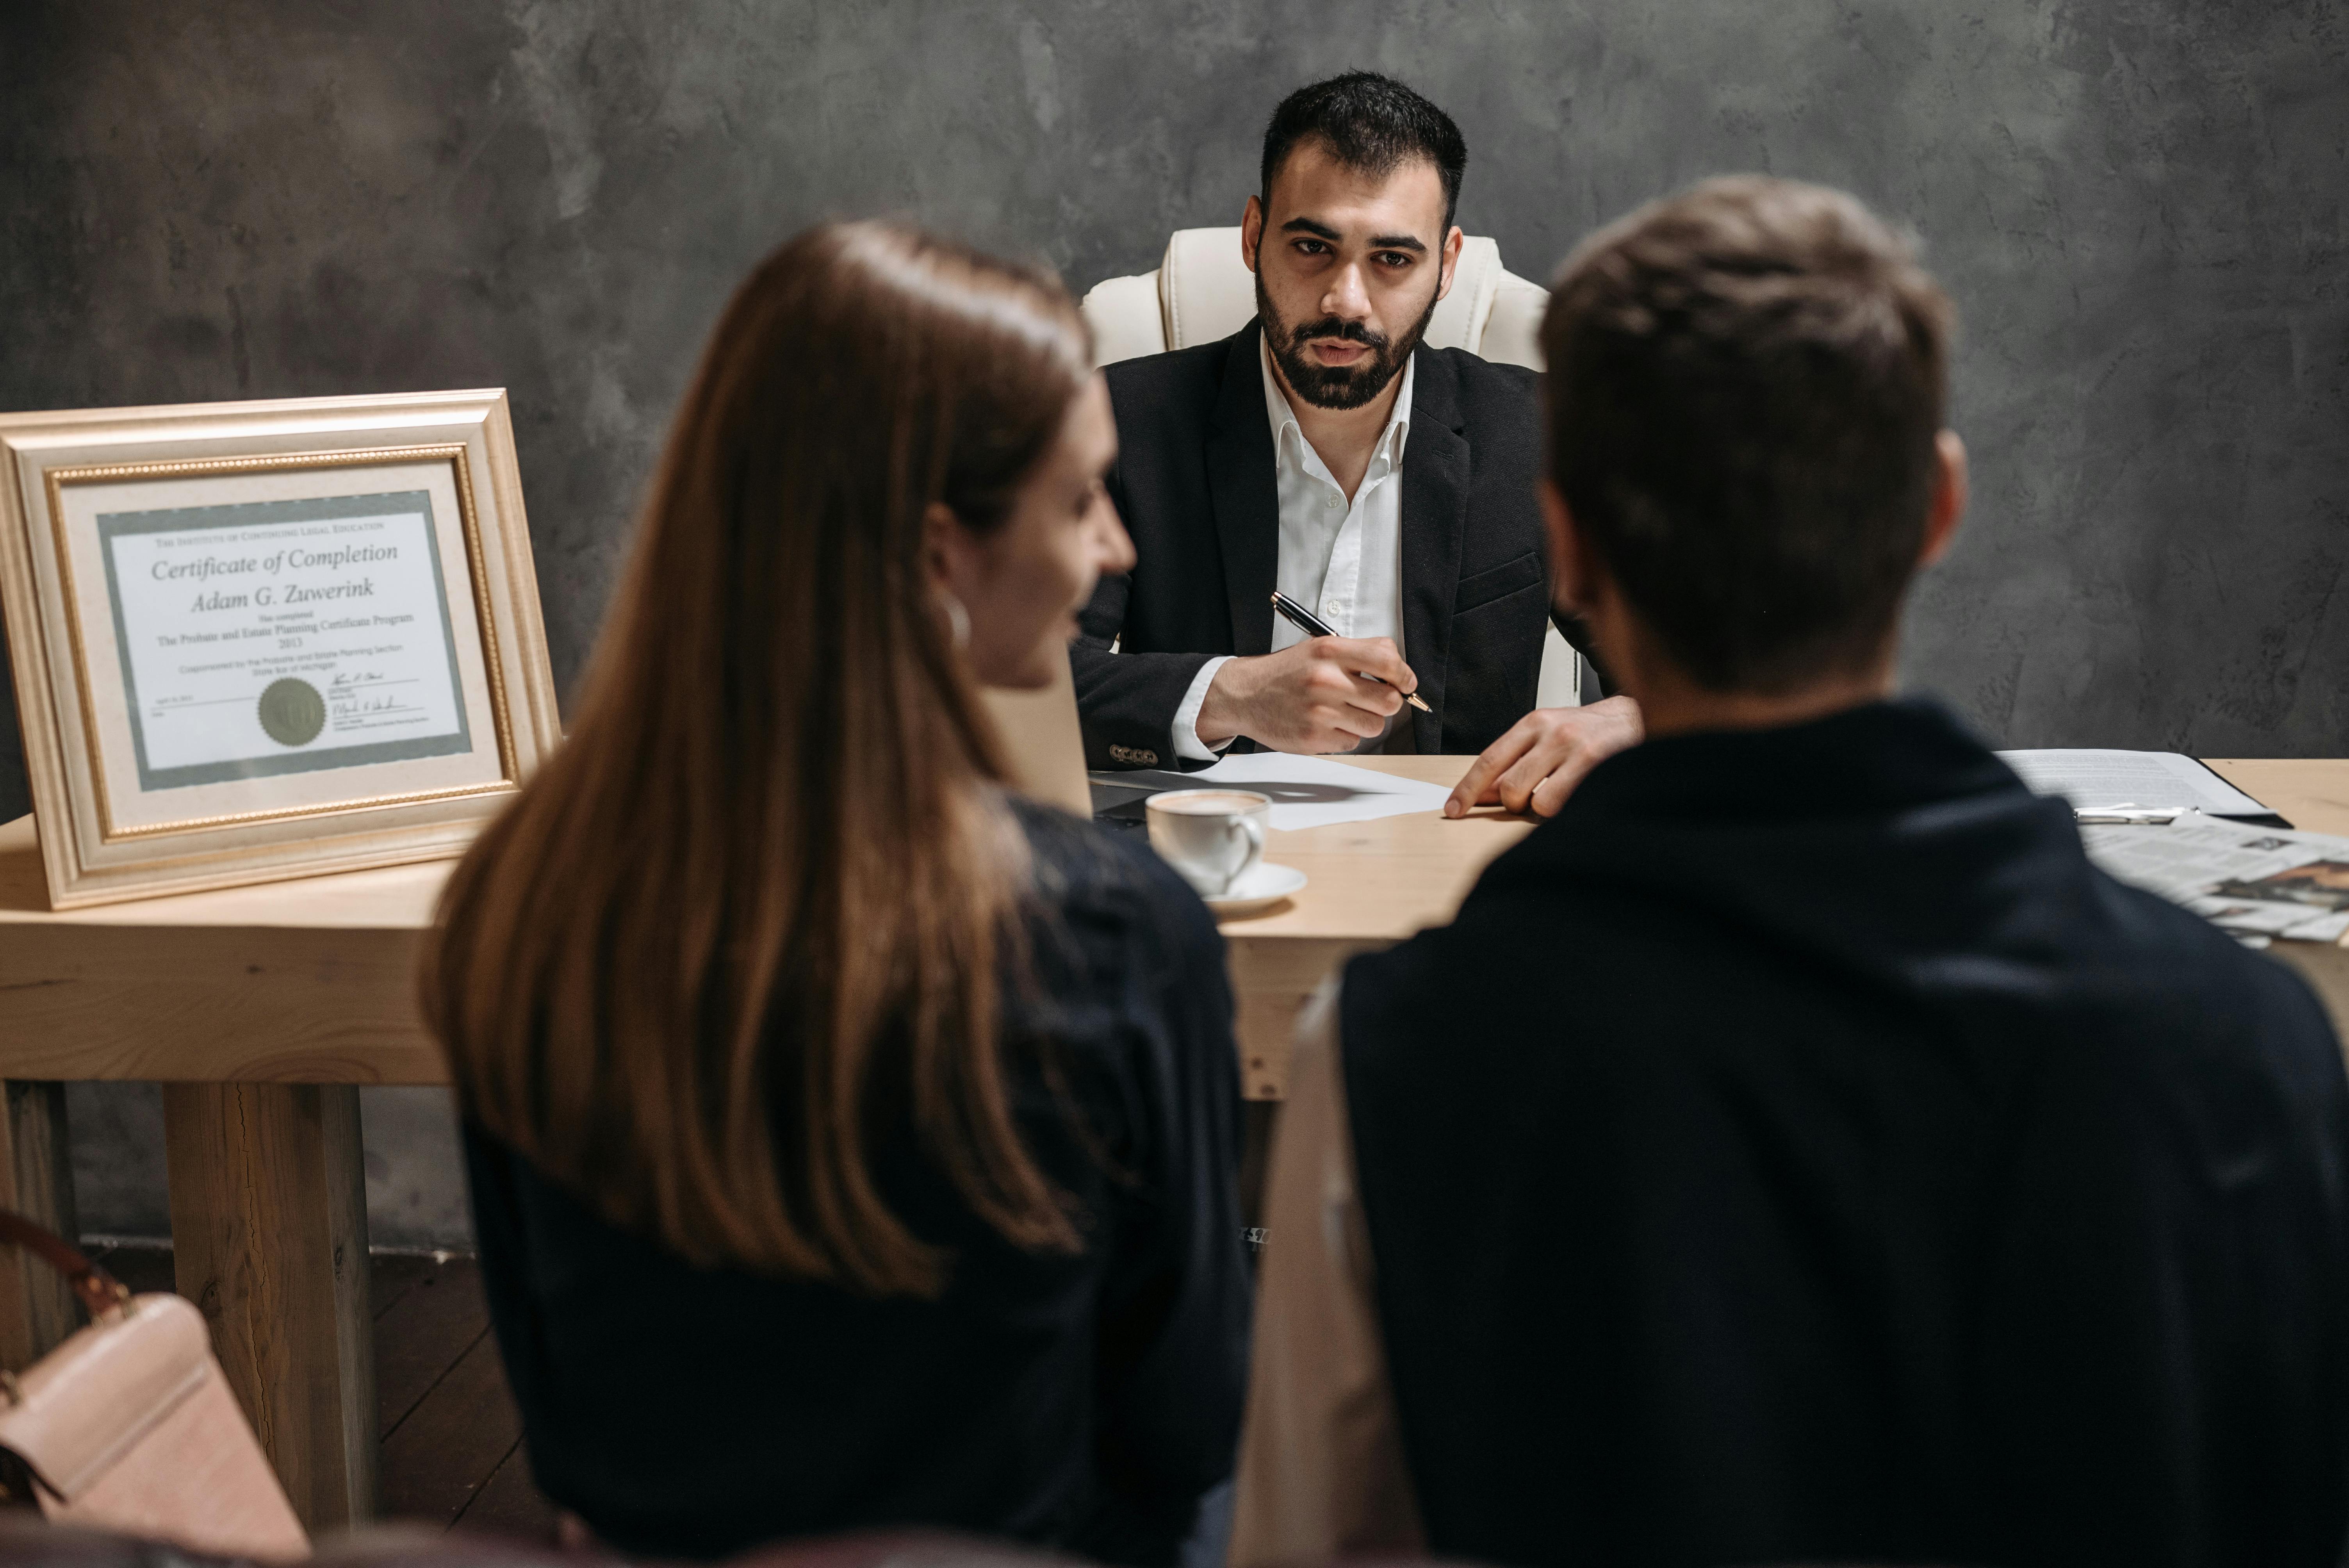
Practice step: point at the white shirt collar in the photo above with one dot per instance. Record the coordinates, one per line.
(1284, 418)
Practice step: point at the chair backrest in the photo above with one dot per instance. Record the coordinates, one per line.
(1046, 748)
(1202, 291)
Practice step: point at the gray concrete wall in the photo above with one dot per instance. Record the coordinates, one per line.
(2139, 206)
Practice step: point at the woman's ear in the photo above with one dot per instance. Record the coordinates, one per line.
(950, 558)
(945, 543)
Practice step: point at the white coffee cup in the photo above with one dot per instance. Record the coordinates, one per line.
(1213, 837)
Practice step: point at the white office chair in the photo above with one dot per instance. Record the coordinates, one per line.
(1202, 291)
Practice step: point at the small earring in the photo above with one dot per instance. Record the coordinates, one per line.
(958, 620)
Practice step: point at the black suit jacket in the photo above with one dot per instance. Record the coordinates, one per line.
(1195, 481)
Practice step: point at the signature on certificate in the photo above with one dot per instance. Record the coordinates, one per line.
(361, 700)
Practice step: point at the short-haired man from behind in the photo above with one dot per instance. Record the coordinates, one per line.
(1795, 1150)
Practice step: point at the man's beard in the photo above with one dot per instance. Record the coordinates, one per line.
(1337, 386)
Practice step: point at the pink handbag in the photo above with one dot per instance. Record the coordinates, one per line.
(129, 1426)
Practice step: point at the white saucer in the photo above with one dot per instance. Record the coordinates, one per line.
(1262, 888)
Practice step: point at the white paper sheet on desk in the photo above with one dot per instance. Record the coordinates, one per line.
(1318, 793)
(2099, 778)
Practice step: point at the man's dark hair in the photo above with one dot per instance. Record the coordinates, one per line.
(1371, 123)
(1746, 383)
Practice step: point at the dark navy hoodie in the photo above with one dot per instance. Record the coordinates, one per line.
(1797, 1151)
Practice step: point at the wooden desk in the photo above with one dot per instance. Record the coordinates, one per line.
(261, 1009)
(2311, 793)
(1369, 885)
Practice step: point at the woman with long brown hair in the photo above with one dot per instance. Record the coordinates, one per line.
(852, 1142)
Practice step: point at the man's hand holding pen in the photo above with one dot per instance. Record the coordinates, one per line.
(1312, 697)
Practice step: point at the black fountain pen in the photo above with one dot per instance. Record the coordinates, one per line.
(1312, 625)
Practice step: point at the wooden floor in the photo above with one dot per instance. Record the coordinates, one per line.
(452, 1454)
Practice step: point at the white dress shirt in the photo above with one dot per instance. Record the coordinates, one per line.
(1341, 560)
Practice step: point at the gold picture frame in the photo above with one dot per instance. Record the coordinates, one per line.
(261, 640)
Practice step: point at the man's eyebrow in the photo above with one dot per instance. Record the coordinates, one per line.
(1377, 242)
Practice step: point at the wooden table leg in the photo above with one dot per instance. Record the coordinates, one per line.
(1271, 983)
(1258, 1118)
(37, 1308)
(269, 1239)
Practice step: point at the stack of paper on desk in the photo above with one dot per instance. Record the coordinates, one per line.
(2254, 881)
(1317, 791)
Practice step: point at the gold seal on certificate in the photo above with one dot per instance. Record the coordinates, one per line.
(291, 711)
(259, 640)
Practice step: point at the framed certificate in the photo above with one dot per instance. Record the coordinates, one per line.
(261, 640)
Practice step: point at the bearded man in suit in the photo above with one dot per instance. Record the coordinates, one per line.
(1326, 451)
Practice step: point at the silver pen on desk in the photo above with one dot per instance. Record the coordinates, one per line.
(2129, 811)
(1313, 625)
